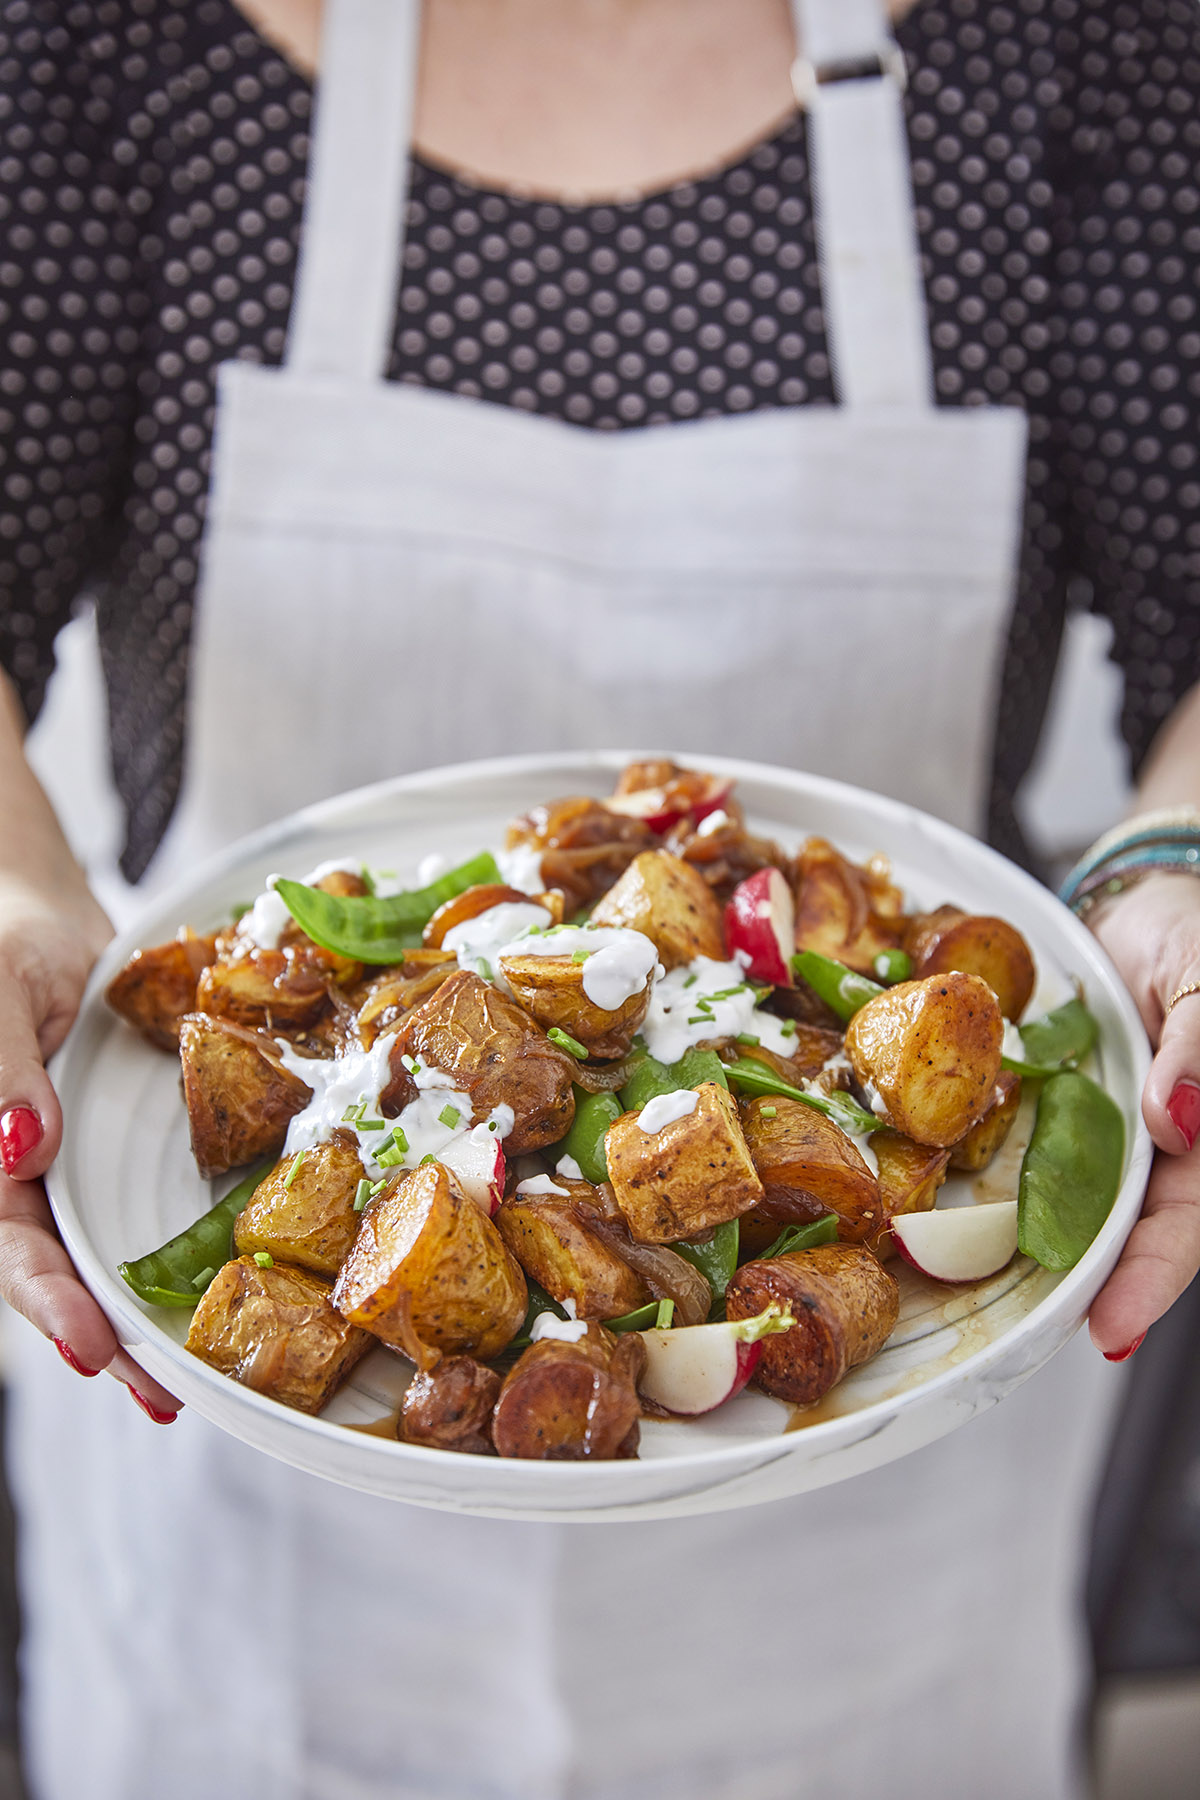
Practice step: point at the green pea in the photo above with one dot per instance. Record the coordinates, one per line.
(892, 966)
(594, 1113)
(168, 1277)
(372, 930)
(1071, 1170)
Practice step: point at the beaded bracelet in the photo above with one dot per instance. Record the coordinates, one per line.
(1154, 843)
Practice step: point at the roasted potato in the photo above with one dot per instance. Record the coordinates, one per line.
(909, 1178)
(975, 1151)
(932, 1050)
(158, 986)
(303, 1211)
(551, 990)
(274, 1330)
(670, 903)
(240, 1099)
(555, 1246)
(496, 1054)
(843, 909)
(284, 989)
(978, 945)
(844, 1305)
(694, 1173)
(383, 1001)
(423, 1237)
(480, 899)
(808, 1166)
(563, 1402)
(449, 1407)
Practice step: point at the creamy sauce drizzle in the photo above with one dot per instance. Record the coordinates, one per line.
(664, 1109)
(264, 924)
(676, 1019)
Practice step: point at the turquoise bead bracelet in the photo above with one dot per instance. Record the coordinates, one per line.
(1166, 842)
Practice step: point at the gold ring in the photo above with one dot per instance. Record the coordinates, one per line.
(1181, 993)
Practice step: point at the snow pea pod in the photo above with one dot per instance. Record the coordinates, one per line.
(841, 989)
(802, 1237)
(594, 1113)
(1058, 1040)
(168, 1277)
(370, 929)
(1071, 1170)
(757, 1078)
(651, 1077)
(715, 1255)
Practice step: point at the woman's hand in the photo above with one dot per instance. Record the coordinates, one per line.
(1152, 933)
(47, 948)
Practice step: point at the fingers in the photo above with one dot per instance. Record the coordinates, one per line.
(1159, 1260)
(1171, 1101)
(30, 1117)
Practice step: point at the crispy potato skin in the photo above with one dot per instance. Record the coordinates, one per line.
(450, 1407)
(495, 1053)
(555, 1247)
(932, 1049)
(424, 1238)
(275, 1331)
(978, 945)
(550, 988)
(808, 1166)
(845, 1307)
(670, 903)
(312, 1223)
(909, 1178)
(157, 986)
(383, 1001)
(565, 1402)
(240, 1099)
(976, 1150)
(843, 909)
(693, 1174)
(284, 989)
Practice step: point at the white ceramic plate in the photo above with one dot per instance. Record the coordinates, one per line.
(125, 1180)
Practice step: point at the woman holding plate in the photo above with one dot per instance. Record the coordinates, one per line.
(446, 518)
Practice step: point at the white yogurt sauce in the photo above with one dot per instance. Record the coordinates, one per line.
(266, 921)
(549, 1325)
(566, 1165)
(664, 1109)
(1012, 1047)
(479, 943)
(542, 1184)
(711, 822)
(863, 1146)
(676, 1018)
(522, 868)
(619, 962)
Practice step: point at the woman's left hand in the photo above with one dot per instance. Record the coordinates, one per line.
(1152, 933)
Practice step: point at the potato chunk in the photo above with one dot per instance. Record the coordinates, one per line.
(694, 1173)
(808, 1166)
(274, 1330)
(844, 1306)
(978, 945)
(496, 1054)
(551, 990)
(553, 1245)
(240, 1099)
(670, 903)
(424, 1238)
(564, 1402)
(845, 910)
(976, 1150)
(157, 986)
(909, 1178)
(932, 1050)
(310, 1223)
(449, 1407)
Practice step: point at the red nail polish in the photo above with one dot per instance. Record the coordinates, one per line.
(152, 1412)
(69, 1356)
(1183, 1109)
(1124, 1355)
(20, 1132)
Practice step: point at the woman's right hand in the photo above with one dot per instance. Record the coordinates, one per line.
(51, 932)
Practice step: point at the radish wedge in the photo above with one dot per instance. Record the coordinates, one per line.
(477, 1163)
(694, 1368)
(760, 923)
(660, 809)
(959, 1243)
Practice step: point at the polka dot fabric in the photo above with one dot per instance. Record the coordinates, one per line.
(152, 164)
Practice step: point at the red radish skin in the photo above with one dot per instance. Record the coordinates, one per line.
(660, 812)
(486, 1189)
(960, 1243)
(695, 1368)
(760, 924)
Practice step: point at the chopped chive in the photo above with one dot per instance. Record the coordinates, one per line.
(666, 1314)
(264, 1259)
(565, 1041)
(411, 1064)
(372, 1124)
(377, 1188)
(390, 1158)
(767, 1112)
(691, 981)
(353, 1114)
(426, 1159)
(788, 1028)
(485, 969)
(201, 1281)
(449, 1117)
(399, 1139)
(293, 1171)
(728, 993)
(580, 956)
(701, 1019)
(362, 1194)
(747, 1037)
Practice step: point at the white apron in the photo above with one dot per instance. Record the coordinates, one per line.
(395, 578)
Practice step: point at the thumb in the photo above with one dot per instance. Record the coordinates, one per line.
(1171, 1101)
(30, 1116)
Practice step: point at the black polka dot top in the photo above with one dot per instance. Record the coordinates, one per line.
(152, 164)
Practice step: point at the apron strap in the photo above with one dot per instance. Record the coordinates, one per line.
(353, 234)
(850, 75)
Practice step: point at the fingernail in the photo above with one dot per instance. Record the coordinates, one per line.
(1124, 1355)
(69, 1356)
(20, 1132)
(1183, 1109)
(152, 1412)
